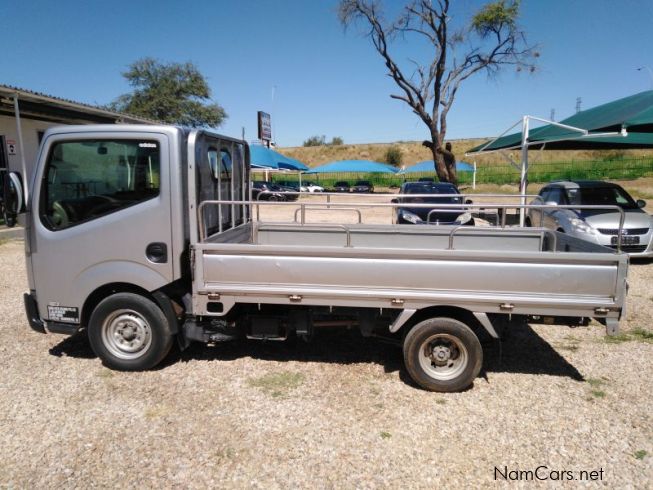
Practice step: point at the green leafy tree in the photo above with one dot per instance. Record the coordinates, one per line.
(174, 93)
(487, 42)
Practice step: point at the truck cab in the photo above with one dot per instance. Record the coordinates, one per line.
(108, 213)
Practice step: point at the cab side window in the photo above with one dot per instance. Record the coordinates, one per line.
(84, 180)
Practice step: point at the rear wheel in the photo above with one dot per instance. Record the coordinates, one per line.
(129, 332)
(442, 354)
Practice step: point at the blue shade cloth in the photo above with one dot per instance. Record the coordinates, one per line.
(427, 166)
(364, 166)
(263, 157)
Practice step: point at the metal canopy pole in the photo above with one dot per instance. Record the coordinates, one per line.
(523, 184)
(21, 147)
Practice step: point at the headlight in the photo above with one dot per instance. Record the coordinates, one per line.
(410, 217)
(582, 226)
(464, 218)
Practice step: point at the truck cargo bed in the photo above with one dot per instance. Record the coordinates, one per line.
(514, 270)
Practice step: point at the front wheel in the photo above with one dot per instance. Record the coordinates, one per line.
(442, 354)
(129, 332)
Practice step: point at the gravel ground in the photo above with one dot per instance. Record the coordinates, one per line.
(337, 413)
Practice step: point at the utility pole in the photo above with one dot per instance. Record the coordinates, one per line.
(553, 115)
(578, 102)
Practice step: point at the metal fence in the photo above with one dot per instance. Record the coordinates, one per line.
(489, 173)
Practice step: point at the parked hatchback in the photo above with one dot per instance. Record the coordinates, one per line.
(442, 193)
(596, 226)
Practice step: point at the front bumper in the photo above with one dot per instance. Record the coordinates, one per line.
(38, 325)
(32, 312)
(643, 249)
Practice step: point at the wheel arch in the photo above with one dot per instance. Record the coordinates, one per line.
(456, 312)
(103, 292)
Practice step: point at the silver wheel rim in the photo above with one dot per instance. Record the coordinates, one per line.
(443, 357)
(126, 334)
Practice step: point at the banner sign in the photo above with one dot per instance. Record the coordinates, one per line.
(264, 126)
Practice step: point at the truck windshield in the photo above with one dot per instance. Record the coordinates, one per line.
(87, 179)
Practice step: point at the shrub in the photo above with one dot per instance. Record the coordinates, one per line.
(315, 141)
(394, 156)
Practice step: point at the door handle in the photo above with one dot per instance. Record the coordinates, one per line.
(157, 252)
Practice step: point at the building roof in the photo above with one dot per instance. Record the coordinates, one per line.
(36, 105)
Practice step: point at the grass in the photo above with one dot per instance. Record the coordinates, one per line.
(277, 385)
(595, 385)
(491, 169)
(156, 412)
(637, 335)
(594, 382)
(385, 435)
(501, 173)
(641, 454)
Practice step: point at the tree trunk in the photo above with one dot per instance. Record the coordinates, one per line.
(438, 161)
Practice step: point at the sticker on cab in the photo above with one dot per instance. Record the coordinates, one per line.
(65, 314)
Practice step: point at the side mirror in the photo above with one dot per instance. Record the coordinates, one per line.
(469, 201)
(641, 203)
(12, 191)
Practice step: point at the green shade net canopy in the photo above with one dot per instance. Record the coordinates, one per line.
(634, 114)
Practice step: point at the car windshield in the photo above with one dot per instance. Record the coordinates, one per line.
(342, 184)
(363, 182)
(601, 196)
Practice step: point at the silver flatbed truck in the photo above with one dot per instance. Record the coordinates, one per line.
(141, 235)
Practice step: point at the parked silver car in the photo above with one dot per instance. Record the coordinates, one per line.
(594, 225)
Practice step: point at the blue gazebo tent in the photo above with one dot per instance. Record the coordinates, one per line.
(428, 166)
(362, 166)
(265, 158)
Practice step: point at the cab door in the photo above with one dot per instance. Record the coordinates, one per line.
(101, 214)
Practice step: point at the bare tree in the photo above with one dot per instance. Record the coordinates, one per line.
(491, 40)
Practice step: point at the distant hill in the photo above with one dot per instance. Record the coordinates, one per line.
(414, 152)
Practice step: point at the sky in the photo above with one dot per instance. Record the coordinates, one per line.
(294, 60)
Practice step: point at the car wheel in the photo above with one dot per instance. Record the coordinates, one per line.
(129, 332)
(442, 354)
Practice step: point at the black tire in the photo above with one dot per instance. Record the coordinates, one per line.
(527, 223)
(455, 354)
(129, 332)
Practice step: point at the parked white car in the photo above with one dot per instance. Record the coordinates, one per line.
(596, 226)
(311, 187)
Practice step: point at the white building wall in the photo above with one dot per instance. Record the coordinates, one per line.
(30, 129)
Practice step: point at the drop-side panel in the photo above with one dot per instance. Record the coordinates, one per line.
(541, 283)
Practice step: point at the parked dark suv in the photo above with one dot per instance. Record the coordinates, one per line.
(341, 186)
(363, 186)
(431, 215)
(269, 191)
